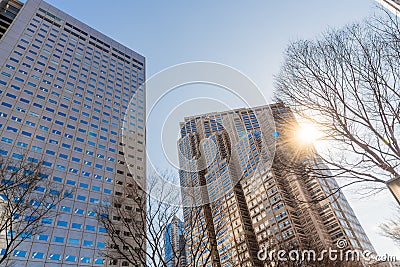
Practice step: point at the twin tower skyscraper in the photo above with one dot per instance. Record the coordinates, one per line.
(258, 190)
(64, 92)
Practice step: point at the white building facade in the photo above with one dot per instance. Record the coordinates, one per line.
(64, 92)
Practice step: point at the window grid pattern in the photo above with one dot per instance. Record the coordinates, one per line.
(63, 96)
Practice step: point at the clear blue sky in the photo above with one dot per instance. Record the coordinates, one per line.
(249, 36)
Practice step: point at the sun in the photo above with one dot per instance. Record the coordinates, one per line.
(308, 133)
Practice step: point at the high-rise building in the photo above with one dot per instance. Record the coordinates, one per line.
(64, 92)
(248, 198)
(8, 12)
(175, 255)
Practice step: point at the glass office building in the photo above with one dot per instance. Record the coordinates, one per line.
(64, 92)
(175, 255)
(248, 203)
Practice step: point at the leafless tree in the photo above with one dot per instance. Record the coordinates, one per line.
(198, 235)
(137, 221)
(346, 82)
(26, 198)
(391, 229)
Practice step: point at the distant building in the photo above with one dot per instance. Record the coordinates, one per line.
(249, 205)
(8, 12)
(64, 93)
(175, 254)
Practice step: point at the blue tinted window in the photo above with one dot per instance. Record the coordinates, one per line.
(40, 137)
(7, 140)
(72, 170)
(110, 169)
(65, 209)
(71, 182)
(94, 200)
(57, 179)
(70, 258)
(58, 239)
(88, 243)
(73, 241)
(17, 156)
(19, 253)
(6, 104)
(90, 228)
(40, 189)
(26, 133)
(37, 255)
(48, 164)
(66, 145)
(11, 95)
(50, 152)
(55, 257)
(80, 197)
(79, 211)
(76, 225)
(68, 195)
(62, 223)
(98, 261)
(85, 260)
(36, 148)
(43, 127)
(91, 213)
(47, 221)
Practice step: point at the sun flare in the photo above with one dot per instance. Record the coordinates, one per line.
(308, 133)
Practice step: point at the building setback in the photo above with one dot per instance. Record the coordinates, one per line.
(250, 205)
(64, 92)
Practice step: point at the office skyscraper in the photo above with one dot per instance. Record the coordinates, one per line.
(175, 254)
(8, 12)
(249, 204)
(64, 92)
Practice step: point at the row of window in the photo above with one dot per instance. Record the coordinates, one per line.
(100, 92)
(75, 100)
(93, 124)
(71, 29)
(54, 256)
(40, 35)
(3, 82)
(66, 67)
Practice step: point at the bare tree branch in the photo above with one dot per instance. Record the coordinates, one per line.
(391, 229)
(346, 83)
(136, 226)
(26, 199)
